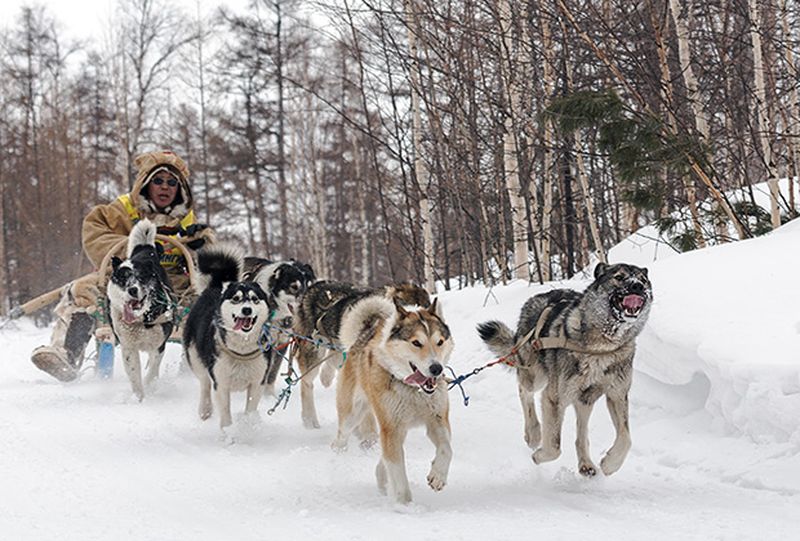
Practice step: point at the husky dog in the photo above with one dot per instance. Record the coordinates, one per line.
(141, 303)
(592, 343)
(286, 282)
(395, 368)
(320, 315)
(221, 336)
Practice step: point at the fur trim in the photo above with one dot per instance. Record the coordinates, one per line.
(362, 322)
(219, 264)
(147, 164)
(143, 233)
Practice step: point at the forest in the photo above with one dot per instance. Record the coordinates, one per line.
(447, 142)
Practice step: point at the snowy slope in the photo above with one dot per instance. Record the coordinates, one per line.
(716, 439)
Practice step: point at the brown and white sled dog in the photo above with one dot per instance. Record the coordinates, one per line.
(395, 369)
(320, 315)
(599, 327)
(141, 303)
(221, 336)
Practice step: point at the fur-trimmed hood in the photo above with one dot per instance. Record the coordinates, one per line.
(150, 163)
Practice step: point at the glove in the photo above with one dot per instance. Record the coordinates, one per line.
(196, 244)
(168, 231)
(192, 230)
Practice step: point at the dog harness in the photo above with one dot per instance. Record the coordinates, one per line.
(540, 343)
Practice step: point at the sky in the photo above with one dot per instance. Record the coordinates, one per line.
(82, 19)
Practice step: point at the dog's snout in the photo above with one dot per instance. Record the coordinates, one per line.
(435, 369)
(287, 321)
(246, 310)
(636, 287)
(133, 291)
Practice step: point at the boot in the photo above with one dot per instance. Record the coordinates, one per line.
(63, 358)
(53, 360)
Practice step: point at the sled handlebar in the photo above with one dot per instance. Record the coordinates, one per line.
(100, 277)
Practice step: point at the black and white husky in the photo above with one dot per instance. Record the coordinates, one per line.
(221, 336)
(141, 302)
(285, 282)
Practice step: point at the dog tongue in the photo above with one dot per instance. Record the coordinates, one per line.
(632, 302)
(127, 314)
(417, 378)
(238, 324)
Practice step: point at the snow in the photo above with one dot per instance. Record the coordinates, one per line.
(715, 417)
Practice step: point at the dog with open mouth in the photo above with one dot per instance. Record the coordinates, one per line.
(221, 336)
(320, 315)
(576, 347)
(395, 370)
(286, 282)
(142, 306)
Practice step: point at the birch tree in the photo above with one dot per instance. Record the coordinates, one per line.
(762, 113)
(421, 173)
(510, 71)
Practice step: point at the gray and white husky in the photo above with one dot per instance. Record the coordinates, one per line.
(141, 302)
(596, 332)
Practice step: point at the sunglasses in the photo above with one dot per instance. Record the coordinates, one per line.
(170, 182)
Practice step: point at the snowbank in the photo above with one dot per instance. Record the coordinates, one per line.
(731, 313)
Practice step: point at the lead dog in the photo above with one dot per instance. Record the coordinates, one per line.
(594, 334)
(141, 303)
(394, 369)
(221, 337)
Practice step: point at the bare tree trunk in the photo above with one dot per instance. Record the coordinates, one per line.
(548, 141)
(583, 178)
(363, 230)
(420, 168)
(4, 292)
(680, 19)
(761, 109)
(281, 135)
(203, 125)
(794, 107)
(519, 227)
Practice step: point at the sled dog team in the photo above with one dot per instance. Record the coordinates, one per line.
(572, 347)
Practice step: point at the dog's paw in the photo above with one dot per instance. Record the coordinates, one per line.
(310, 422)
(437, 480)
(402, 496)
(339, 445)
(368, 442)
(543, 455)
(533, 437)
(380, 477)
(587, 469)
(611, 463)
(205, 411)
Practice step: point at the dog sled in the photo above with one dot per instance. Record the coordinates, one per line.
(104, 336)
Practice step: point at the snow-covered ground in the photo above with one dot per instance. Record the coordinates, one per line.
(715, 424)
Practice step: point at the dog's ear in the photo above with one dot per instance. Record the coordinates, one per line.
(644, 271)
(115, 262)
(600, 270)
(400, 308)
(436, 308)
